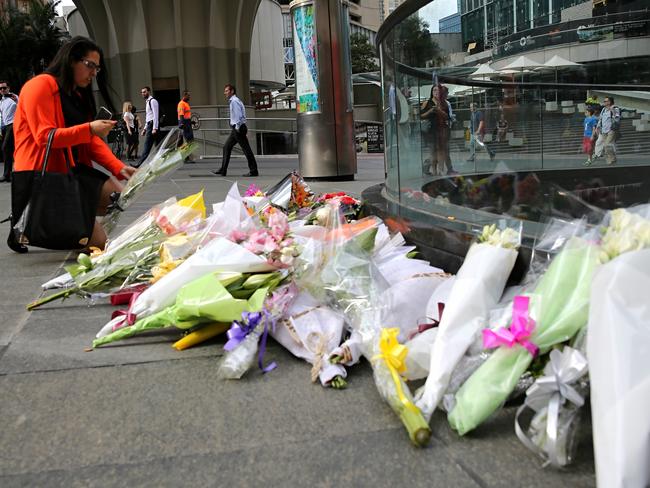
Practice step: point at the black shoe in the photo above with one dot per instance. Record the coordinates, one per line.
(219, 172)
(4, 179)
(252, 173)
(14, 245)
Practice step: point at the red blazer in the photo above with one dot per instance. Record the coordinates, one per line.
(38, 112)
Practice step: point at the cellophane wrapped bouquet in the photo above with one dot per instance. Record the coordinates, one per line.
(129, 258)
(346, 276)
(163, 160)
(478, 287)
(552, 312)
(618, 346)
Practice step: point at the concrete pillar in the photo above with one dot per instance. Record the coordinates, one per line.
(199, 45)
(326, 142)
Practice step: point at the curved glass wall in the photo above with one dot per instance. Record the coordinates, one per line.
(490, 122)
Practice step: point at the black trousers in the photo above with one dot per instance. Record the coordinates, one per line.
(186, 126)
(8, 148)
(149, 139)
(238, 137)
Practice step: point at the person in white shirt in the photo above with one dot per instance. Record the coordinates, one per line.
(8, 102)
(237, 135)
(150, 130)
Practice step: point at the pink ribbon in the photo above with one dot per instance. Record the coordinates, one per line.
(129, 318)
(519, 332)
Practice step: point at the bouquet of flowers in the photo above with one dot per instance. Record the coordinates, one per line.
(130, 257)
(215, 297)
(311, 330)
(553, 313)
(290, 194)
(477, 288)
(618, 343)
(354, 286)
(219, 255)
(164, 160)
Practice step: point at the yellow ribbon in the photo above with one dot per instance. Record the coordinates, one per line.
(394, 354)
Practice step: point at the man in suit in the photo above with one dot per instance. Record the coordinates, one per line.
(237, 134)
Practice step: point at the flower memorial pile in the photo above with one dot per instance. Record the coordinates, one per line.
(333, 287)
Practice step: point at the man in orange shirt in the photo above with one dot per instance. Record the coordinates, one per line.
(184, 116)
(184, 120)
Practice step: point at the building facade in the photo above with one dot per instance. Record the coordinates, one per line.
(449, 24)
(485, 22)
(387, 7)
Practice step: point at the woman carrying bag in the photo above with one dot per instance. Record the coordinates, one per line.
(56, 141)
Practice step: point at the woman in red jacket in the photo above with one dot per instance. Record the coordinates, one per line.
(61, 98)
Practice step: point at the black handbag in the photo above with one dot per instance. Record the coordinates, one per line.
(56, 217)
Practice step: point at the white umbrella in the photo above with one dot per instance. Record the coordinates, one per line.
(522, 63)
(484, 71)
(558, 62)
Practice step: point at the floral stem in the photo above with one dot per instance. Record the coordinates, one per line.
(417, 427)
(50, 298)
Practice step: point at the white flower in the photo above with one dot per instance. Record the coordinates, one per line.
(626, 232)
(507, 238)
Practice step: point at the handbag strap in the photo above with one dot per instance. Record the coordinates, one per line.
(50, 138)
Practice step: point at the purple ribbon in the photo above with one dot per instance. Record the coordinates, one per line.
(267, 318)
(519, 332)
(241, 329)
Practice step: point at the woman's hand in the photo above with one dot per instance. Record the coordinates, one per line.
(101, 128)
(127, 172)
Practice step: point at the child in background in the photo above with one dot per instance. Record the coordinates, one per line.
(588, 136)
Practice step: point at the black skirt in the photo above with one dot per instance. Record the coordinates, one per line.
(90, 184)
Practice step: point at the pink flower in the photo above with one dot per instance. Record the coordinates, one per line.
(270, 245)
(278, 225)
(252, 190)
(256, 242)
(238, 236)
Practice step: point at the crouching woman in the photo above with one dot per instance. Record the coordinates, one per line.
(62, 99)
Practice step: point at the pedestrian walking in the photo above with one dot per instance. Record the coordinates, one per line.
(608, 129)
(8, 103)
(588, 135)
(137, 124)
(151, 121)
(131, 131)
(237, 134)
(477, 132)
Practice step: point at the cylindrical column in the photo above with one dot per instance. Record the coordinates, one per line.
(326, 144)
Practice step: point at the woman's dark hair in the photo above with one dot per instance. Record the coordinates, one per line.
(72, 51)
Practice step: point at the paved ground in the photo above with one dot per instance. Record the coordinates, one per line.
(143, 414)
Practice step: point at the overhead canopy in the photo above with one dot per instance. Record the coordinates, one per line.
(520, 64)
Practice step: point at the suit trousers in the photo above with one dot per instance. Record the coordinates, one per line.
(238, 137)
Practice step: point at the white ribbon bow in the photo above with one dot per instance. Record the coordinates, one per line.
(551, 391)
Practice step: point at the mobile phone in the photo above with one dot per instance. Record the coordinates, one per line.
(103, 114)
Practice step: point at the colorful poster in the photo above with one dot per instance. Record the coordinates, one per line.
(306, 62)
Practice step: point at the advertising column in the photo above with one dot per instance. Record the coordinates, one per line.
(326, 145)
